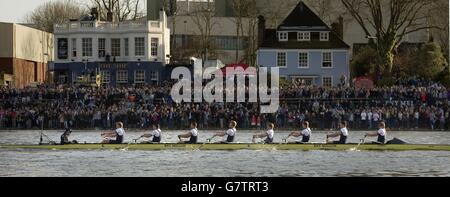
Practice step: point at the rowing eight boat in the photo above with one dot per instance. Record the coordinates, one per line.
(237, 146)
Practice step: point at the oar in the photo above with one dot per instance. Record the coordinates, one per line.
(361, 141)
(48, 138)
(207, 141)
(284, 140)
(128, 145)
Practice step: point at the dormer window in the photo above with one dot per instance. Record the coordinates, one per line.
(282, 36)
(304, 36)
(324, 36)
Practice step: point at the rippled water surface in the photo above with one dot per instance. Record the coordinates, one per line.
(221, 163)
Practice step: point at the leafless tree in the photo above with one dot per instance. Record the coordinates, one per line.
(121, 9)
(54, 12)
(203, 19)
(275, 11)
(240, 9)
(387, 22)
(439, 17)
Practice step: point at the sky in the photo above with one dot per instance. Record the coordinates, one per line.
(16, 10)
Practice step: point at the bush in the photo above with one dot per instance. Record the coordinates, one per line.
(444, 77)
(364, 62)
(387, 81)
(430, 61)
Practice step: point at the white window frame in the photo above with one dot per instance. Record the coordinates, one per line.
(304, 36)
(324, 36)
(86, 47)
(154, 76)
(116, 48)
(307, 60)
(106, 76)
(74, 47)
(278, 59)
(283, 38)
(119, 78)
(327, 77)
(136, 49)
(136, 77)
(154, 47)
(331, 59)
(102, 47)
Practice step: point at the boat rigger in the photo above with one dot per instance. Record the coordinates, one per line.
(238, 146)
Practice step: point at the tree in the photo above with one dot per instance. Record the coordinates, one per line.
(202, 17)
(2, 78)
(327, 10)
(240, 9)
(432, 61)
(387, 22)
(439, 17)
(54, 12)
(363, 63)
(121, 9)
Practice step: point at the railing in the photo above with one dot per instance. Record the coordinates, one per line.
(99, 25)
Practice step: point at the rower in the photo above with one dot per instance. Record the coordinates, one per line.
(118, 134)
(65, 138)
(342, 134)
(155, 134)
(230, 133)
(192, 135)
(381, 133)
(268, 134)
(305, 134)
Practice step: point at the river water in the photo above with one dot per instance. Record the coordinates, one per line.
(243, 163)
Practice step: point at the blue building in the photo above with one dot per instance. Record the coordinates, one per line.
(305, 49)
(121, 53)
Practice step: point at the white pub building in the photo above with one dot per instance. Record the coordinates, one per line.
(123, 53)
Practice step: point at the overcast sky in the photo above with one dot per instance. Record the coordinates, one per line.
(15, 10)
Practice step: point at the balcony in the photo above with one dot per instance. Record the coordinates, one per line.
(99, 26)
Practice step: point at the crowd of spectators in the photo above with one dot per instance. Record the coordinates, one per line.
(407, 106)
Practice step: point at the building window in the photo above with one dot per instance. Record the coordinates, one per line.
(87, 47)
(303, 60)
(283, 36)
(101, 47)
(281, 59)
(106, 76)
(326, 60)
(139, 44)
(304, 36)
(127, 47)
(154, 47)
(229, 42)
(115, 47)
(154, 76)
(122, 76)
(139, 76)
(74, 47)
(327, 81)
(324, 36)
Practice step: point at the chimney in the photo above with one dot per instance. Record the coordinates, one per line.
(261, 29)
(338, 27)
(94, 13)
(109, 17)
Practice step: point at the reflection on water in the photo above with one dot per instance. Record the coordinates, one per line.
(240, 163)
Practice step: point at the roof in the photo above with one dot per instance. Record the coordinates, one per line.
(271, 42)
(302, 17)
